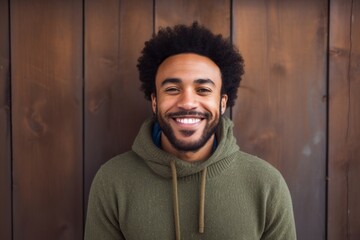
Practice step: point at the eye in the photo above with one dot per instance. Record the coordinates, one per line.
(203, 91)
(172, 90)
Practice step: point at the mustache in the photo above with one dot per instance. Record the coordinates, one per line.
(189, 113)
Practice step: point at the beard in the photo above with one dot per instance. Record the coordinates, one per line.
(188, 146)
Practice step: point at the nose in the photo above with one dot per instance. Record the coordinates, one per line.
(187, 100)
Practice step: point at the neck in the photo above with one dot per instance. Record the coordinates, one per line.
(201, 154)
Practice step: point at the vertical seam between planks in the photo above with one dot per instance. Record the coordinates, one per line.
(154, 16)
(9, 99)
(349, 68)
(327, 141)
(348, 118)
(83, 118)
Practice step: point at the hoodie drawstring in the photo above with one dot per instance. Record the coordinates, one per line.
(176, 200)
(202, 201)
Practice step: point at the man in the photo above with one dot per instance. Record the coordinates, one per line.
(185, 177)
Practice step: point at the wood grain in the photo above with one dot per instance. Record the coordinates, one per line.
(344, 121)
(5, 127)
(280, 114)
(114, 106)
(215, 14)
(47, 119)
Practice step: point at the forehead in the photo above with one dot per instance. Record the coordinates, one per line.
(188, 66)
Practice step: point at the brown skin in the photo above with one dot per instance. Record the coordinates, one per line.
(188, 82)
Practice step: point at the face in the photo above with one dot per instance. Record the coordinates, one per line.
(188, 101)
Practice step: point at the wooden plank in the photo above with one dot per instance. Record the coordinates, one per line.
(344, 121)
(280, 114)
(114, 106)
(5, 131)
(214, 14)
(47, 119)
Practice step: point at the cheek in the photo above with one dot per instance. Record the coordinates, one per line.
(214, 105)
(164, 105)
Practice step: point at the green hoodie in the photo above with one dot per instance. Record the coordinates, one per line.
(148, 193)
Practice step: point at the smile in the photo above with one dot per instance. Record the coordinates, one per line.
(188, 120)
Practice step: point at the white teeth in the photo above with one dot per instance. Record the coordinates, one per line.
(188, 120)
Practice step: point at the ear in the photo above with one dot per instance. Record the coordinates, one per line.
(223, 103)
(153, 102)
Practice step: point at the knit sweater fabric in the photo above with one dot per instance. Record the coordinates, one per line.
(245, 197)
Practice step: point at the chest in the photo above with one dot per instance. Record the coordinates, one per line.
(146, 211)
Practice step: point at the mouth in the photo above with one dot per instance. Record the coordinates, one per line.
(187, 125)
(187, 120)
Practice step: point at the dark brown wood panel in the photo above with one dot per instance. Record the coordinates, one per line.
(215, 14)
(280, 114)
(5, 132)
(114, 106)
(47, 119)
(344, 121)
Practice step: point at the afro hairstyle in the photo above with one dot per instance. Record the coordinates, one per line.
(191, 39)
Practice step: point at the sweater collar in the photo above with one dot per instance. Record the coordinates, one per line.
(159, 160)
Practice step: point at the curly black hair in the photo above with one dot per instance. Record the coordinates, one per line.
(191, 39)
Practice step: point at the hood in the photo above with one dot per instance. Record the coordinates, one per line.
(159, 160)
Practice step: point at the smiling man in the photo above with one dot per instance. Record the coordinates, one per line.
(185, 177)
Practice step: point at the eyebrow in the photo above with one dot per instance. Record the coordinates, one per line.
(170, 80)
(197, 81)
(204, 81)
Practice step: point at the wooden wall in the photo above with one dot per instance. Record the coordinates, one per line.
(281, 112)
(344, 121)
(5, 128)
(47, 118)
(70, 100)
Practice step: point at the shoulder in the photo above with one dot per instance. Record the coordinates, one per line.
(124, 160)
(252, 165)
(265, 181)
(259, 176)
(121, 167)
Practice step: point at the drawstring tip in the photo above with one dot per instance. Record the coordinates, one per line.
(201, 229)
